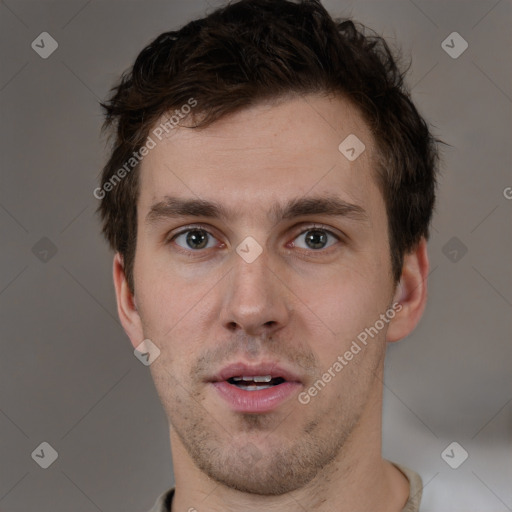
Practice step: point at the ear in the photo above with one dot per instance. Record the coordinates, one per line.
(411, 293)
(126, 306)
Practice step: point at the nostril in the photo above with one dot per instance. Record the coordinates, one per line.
(232, 326)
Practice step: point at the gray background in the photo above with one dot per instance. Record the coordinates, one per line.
(67, 371)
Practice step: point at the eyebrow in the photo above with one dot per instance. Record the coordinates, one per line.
(173, 207)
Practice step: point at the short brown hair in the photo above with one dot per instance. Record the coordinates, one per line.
(255, 50)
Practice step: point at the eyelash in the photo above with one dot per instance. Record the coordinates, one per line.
(312, 227)
(318, 252)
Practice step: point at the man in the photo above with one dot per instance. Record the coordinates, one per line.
(268, 198)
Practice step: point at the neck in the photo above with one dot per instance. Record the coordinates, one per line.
(358, 479)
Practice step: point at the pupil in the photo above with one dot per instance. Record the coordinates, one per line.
(197, 239)
(316, 239)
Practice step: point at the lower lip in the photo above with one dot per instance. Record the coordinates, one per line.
(263, 400)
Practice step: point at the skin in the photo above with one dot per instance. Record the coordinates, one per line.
(300, 306)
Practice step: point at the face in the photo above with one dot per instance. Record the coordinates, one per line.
(284, 304)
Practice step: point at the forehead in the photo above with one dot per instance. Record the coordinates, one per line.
(259, 156)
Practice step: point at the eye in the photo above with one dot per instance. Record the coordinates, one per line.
(315, 239)
(195, 239)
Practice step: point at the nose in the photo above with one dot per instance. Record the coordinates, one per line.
(255, 299)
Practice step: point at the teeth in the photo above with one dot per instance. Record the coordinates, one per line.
(258, 378)
(256, 388)
(263, 378)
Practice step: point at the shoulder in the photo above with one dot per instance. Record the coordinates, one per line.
(415, 488)
(163, 502)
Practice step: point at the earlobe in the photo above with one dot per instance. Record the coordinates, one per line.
(410, 293)
(126, 304)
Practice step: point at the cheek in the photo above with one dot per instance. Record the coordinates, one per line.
(347, 306)
(164, 297)
(346, 301)
(155, 300)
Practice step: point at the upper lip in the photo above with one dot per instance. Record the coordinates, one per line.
(240, 369)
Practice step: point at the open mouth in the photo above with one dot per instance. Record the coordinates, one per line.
(255, 389)
(255, 383)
